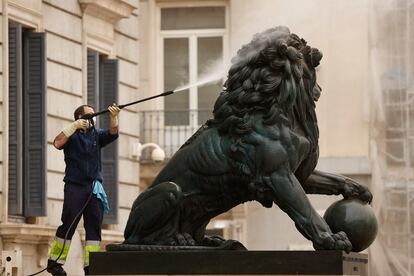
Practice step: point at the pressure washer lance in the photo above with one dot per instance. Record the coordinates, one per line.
(91, 115)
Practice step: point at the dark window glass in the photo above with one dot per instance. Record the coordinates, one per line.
(193, 18)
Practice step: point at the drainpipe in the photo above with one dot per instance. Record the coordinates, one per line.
(5, 117)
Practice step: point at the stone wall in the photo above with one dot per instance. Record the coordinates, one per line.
(71, 28)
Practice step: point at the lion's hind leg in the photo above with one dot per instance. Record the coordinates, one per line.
(289, 195)
(154, 217)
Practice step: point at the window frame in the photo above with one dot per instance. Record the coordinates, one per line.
(109, 154)
(192, 35)
(31, 192)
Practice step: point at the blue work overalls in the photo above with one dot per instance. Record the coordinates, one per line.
(83, 167)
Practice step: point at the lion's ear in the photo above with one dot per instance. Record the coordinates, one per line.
(315, 57)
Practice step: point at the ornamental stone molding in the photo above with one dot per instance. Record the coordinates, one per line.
(12, 233)
(111, 10)
(27, 13)
(32, 239)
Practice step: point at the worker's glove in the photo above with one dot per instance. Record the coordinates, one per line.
(114, 111)
(78, 124)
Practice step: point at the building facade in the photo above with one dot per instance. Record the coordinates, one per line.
(55, 56)
(58, 54)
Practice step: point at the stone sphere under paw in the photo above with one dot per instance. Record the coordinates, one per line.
(356, 219)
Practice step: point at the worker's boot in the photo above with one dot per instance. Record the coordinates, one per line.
(55, 268)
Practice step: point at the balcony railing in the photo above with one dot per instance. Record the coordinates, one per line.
(170, 128)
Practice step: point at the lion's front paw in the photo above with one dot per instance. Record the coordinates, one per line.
(183, 239)
(329, 241)
(222, 244)
(213, 240)
(353, 189)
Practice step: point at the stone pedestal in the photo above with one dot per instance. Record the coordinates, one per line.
(228, 263)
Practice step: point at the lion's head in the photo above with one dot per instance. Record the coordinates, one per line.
(273, 75)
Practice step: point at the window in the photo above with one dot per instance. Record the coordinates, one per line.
(27, 122)
(176, 72)
(193, 18)
(102, 92)
(193, 41)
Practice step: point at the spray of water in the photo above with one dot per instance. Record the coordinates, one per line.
(213, 73)
(216, 70)
(208, 79)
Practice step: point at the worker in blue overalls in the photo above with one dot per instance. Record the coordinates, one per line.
(81, 143)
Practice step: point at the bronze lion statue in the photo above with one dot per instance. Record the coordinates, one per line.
(261, 144)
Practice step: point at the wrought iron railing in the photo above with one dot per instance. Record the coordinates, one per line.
(170, 128)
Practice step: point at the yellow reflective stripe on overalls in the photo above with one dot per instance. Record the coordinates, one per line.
(90, 246)
(57, 247)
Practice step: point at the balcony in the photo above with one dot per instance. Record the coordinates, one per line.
(170, 128)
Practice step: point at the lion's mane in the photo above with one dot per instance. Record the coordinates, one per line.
(273, 75)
